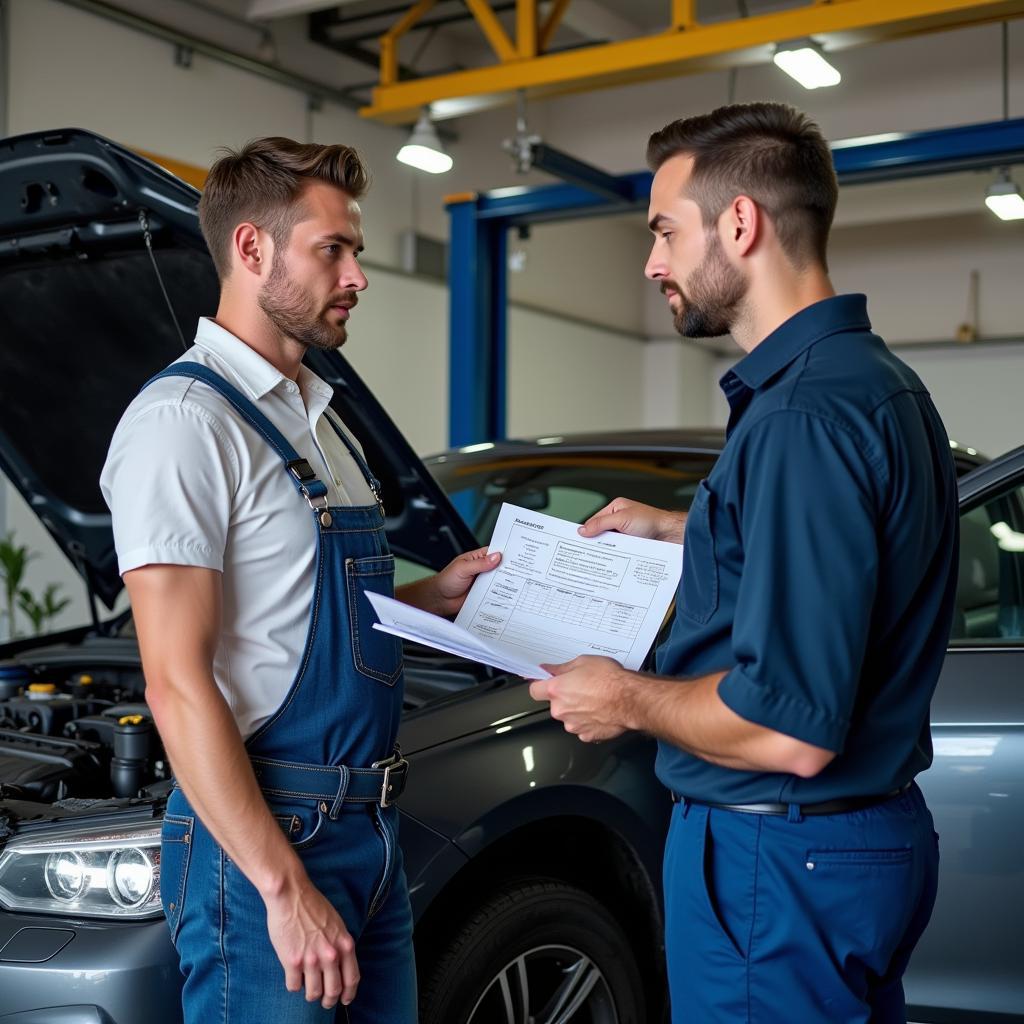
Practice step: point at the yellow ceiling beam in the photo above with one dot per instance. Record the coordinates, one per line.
(550, 26)
(674, 52)
(526, 27)
(492, 29)
(389, 41)
(684, 14)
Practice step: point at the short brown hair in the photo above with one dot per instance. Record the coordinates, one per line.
(263, 182)
(770, 152)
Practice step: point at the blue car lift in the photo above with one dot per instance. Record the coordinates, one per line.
(477, 273)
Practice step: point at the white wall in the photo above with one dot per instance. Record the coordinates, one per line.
(917, 276)
(565, 377)
(677, 379)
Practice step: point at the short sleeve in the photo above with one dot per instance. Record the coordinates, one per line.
(805, 600)
(169, 482)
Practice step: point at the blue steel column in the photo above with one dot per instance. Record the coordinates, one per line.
(477, 273)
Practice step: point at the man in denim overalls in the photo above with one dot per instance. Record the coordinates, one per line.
(249, 530)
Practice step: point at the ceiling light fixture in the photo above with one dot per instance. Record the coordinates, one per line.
(804, 60)
(424, 149)
(1003, 197)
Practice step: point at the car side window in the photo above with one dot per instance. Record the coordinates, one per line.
(990, 582)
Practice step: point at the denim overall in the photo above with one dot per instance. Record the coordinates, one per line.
(329, 768)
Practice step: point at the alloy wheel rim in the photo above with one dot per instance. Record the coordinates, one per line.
(553, 984)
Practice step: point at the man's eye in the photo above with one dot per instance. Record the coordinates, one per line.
(666, 235)
(332, 250)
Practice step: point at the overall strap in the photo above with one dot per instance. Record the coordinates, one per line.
(357, 455)
(300, 472)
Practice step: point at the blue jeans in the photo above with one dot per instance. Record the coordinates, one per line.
(355, 861)
(798, 921)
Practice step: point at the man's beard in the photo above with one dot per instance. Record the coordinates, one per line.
(294, 312)
(712, 295)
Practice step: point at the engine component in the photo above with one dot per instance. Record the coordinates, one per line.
(46, 711)
(67, 733)
(131, 754)
(14, 677)
(47, 768)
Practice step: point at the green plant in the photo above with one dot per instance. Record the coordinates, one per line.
(14, 559)
(40, 612)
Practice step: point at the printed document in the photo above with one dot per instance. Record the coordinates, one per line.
(555, 595)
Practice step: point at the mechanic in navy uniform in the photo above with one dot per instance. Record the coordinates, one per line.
(249, 530)
(792, 695)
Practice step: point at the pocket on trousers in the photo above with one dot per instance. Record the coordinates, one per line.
(864, 900)
(698, 589)
(175, 854)
(830, 857)
(728, 876)
(300, 822)
(376, 655)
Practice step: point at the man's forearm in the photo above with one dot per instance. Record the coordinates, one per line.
(690, 715)
(212, 767)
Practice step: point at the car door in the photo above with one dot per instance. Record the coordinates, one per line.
(969, 964)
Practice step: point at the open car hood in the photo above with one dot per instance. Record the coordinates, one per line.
(84, 322)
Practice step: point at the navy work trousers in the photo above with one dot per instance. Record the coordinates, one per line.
(796, 920)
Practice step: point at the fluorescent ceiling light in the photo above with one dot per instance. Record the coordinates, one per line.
(1004, 199)
(424, 149)
(804, 61)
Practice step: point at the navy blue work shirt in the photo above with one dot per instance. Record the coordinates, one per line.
(820, 562)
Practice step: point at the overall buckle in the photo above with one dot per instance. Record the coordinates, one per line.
(394, 765)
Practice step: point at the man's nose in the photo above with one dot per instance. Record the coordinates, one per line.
(655, 268)
(353, 279)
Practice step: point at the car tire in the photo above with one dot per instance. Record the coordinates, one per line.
(569, 947)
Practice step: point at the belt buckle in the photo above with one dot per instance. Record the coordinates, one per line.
(389, 764)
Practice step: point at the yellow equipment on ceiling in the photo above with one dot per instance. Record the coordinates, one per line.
(686, 46)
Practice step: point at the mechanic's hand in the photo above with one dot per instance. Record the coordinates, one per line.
(626, 516)
(445, 593)
(588, 695)
(313, 945)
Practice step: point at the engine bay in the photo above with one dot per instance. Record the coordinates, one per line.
(68, 733)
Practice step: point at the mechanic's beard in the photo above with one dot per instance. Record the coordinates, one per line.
(294, 313)
(712, 296)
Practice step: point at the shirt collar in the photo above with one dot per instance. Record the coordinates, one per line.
(797, 334)
(256, 375)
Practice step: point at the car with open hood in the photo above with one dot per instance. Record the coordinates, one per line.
(533, 860)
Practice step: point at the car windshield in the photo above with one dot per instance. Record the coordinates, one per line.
(570, 486)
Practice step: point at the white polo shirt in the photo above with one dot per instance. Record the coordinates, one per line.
(188, 482)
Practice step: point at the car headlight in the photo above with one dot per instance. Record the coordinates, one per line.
(95, 873)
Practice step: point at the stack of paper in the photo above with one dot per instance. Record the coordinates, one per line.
(554, 596)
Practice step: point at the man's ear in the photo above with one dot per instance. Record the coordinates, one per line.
(743, 225)
(251, 248)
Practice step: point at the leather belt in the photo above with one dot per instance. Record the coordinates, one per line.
(840, 806)
(382, 783)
